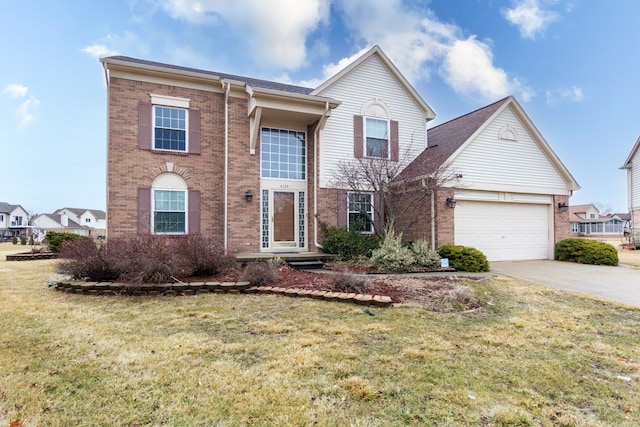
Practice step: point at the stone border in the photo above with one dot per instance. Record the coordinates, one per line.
(31, 256)
(110, 288)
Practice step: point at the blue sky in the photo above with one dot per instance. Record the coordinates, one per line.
(572, 64)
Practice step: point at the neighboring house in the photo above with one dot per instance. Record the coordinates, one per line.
(84, 222)
(511, 191)
(14, 221)
(59, 223)
(253, 163)
(587, 221)
(632, 166)
(95, 220)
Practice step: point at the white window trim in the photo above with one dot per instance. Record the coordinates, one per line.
(364, 133)
(306, 156)
(170, 101)
(153, 211)
(373, 211)
(186, 129)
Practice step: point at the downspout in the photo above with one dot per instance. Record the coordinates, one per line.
(316, 137)
(433, 217)
(226, 165)
(108, 84)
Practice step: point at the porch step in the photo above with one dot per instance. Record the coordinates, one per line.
(306, 264)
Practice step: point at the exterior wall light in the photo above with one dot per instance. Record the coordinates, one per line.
(248, 196)
(563, 207)
(451, 202)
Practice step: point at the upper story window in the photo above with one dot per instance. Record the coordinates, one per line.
(360, 212)
(17, 220)
(376, 138)
(283, 154)
(87, 220)
(170, 128)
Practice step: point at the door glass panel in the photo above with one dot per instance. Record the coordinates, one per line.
(284, 218)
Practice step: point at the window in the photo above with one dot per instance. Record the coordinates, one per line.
(575, 227)
(17, 220)
(360, 212)
(170, 128)
(377, 138)
(87, 220)
(169, 212)
(283, 154)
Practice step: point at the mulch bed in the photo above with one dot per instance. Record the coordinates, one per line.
(434, 293)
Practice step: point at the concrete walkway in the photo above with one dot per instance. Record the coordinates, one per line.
(621, 284)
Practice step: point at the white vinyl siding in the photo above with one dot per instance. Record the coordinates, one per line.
(490, 163)
(633, 182)
(369, 81)
(504, 231)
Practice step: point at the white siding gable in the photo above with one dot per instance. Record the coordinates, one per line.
(369, 81)
(633, 182)
(44, 222)
(494, 160)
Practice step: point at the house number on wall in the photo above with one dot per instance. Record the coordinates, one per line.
(284, 185)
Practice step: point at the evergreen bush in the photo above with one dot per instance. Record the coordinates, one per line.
(392, 255)
(347, 244)
(586, 251)
(55, 239)
(464, 258)
(424, 256)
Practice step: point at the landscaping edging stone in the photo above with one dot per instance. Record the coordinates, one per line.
(172, 289)
(30, 256)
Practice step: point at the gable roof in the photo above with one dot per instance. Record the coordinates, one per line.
(264, 84)
(58, 219)
(377, 51)
(447, 140)
(98, 214)
(8, 207)
(627, 163)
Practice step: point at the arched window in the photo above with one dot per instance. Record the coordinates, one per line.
(169, 202)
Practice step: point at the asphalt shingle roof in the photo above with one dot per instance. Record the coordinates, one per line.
(265, 84)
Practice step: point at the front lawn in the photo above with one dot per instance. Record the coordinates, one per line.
(532, 356)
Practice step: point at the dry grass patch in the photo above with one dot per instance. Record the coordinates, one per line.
(535, 357)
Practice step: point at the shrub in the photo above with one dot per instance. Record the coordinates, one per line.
(23, 241)
(586, 251)
(147, 259)
(347, 244)
(392, 255)
(56, 239)
(205, 256)
(262, 273)
(83, 259)
(464, 258)
(14, 240)
(425, 257)
(348, 283)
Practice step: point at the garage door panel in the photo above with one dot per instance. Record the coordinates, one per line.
(504, 231)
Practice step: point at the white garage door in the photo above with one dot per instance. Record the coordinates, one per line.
(503, 231)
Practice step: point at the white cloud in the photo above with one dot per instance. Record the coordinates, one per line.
(99, 51)
(25, 113)
(276, 29)
(571, 94)
(530, 18)
(16, 90)
(420, 44)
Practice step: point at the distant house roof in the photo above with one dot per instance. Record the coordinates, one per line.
(265, 84)
(446, 138)
(58, 219)
(98, 214)
(576, 209)
(8, 207)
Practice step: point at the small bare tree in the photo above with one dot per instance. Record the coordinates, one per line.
(403, 193)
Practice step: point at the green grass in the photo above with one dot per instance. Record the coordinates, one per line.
(535, 357)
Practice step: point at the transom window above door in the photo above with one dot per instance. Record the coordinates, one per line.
(283, 154)
(377, 137)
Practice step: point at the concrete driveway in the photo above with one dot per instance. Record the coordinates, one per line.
(621, 284)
